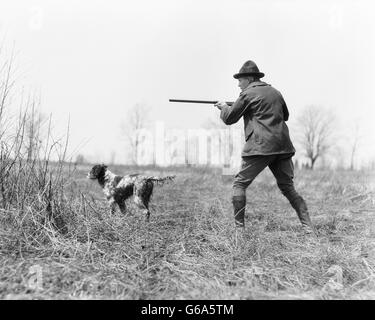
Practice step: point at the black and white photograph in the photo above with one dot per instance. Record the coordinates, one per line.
(210, 151)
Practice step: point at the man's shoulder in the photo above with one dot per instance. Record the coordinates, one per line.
(256, 87)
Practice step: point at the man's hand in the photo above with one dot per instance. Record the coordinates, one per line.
(220, 105)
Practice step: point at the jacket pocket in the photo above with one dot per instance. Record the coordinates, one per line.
(256, 137)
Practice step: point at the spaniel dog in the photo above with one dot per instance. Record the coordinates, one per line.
(119, 188)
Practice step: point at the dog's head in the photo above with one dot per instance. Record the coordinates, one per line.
(97, 171)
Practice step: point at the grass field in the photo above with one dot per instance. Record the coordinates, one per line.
(190, 249)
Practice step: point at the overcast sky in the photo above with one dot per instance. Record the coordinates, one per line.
(92, 60)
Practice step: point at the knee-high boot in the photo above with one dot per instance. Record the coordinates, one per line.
(239, 204)
(300, 207)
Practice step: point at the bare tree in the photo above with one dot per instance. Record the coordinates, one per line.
(80, 159)
(315, 126)
(34, 122)
(6, 85)
(33, 183)
(112, 157)
(354, 145)
(136, 119)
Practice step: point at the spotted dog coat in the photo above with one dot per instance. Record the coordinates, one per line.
(119, 188)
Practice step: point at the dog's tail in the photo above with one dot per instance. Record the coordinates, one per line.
(160, 180)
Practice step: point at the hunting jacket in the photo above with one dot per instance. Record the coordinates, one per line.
(264, 112)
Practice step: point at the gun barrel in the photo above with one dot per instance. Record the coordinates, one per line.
(229, 103)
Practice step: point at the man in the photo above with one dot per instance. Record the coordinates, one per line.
(267, 141)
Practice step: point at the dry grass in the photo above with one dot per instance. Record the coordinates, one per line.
(190, 249)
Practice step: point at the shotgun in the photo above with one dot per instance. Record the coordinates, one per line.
(229, 103)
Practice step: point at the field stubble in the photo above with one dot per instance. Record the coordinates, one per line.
(190, 249)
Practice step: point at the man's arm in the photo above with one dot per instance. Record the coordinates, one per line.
(231, 114)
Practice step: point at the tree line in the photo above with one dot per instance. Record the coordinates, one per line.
(314, 129)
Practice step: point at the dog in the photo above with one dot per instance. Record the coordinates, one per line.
(119, 188)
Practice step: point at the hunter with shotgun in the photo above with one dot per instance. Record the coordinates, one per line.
(267, 141)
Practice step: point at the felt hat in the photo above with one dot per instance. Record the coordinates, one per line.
(249, 69)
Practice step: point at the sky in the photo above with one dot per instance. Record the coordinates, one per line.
(91, 61)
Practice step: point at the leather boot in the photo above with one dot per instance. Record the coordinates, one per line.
(239, 204)
(303, 214)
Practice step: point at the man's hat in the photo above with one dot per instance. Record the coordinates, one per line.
(249, 69)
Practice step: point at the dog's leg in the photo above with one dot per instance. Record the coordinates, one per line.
(122, 206)
(147, 215)
(139, 202)
(112, 205)
(145, 204)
